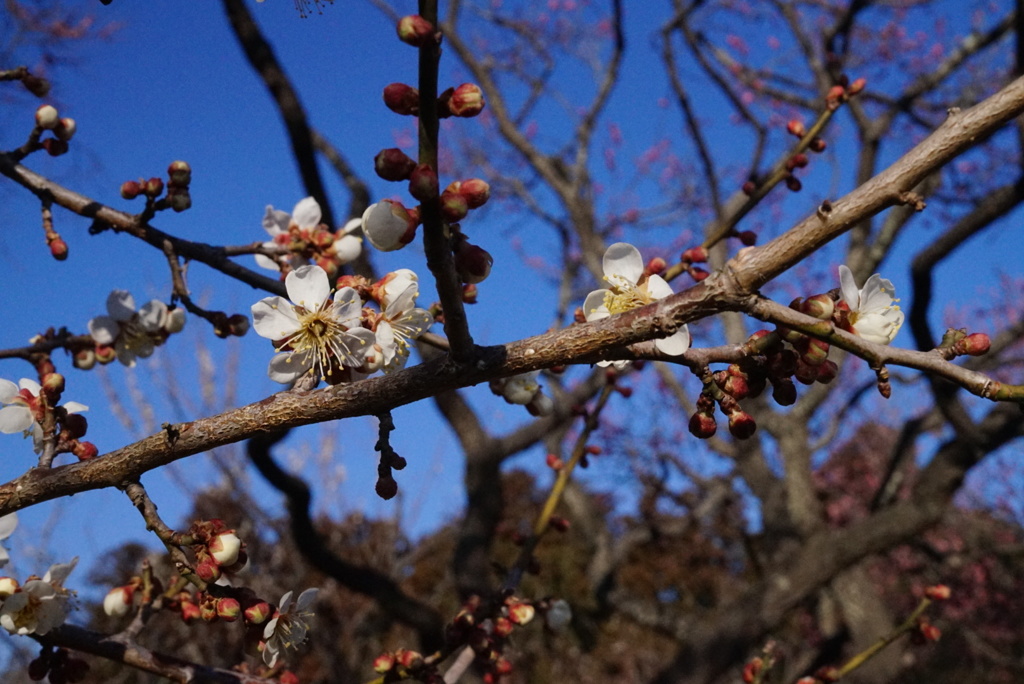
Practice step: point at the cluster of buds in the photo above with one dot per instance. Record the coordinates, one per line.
(217, 548)
(695, 255)
(305, 238)
(842, 91)
(62, 128)
(769, 361)
(523, 389)
(126, 334)
(179, 176)
(403, 663)
(811, 355)
(225, 326)
(240, 603)
(59, 665)
(488, 635)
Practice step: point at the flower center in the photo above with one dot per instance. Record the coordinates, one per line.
(320, 336)
(624, 296)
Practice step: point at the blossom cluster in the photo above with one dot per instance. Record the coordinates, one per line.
(38, 605)
(337, 338)
(25, 407)
(127, 334)
(300, 237)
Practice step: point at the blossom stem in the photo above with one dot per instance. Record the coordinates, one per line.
(436, 243)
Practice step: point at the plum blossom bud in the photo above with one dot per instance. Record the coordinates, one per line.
(796, 128)
(749, 188)
(835, 96)
(466, 101)
(189, 611)
(85, 451)
(84, 359)
(975, 344)
(180, 201)
(695, 255)
(702, 425)
(938, 592)
(131, 189)
(228, 609)
(475, 191)
(154, 187)
(747, 237)
(698, 274)
(58, 249)
(118, 601)
(472, 263)
(238, 325)
(827, 372)
(383, 663)
(225, 547)
(817, 145)
(469, 293)
(65, 129)
(257, 613)
(805, 372)
(813, 352)
(857, 86)
(105, 354)
(741, 424)
(47, 117)
(416, 31)
(208, 570)
(402, 99)
(76, 425)
(392, 164)
(423, 183)
(503, 627)
(388, 226)
(784, 391)
(386, 487)
(521, 613)
(8, 585)
(179, 173)
(554, 462)
(454, 206)
(793, 183)
(820, 306)
(408, 659)
(929, 631)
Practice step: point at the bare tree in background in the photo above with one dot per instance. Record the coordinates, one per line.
(791, 512)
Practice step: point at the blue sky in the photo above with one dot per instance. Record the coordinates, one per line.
(171, 84)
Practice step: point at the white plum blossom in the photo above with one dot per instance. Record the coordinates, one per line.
(629, 289)
(347, 247)
(118, 601)
(289, 627)
(873, 313)
(132, 333)
(313, 333)
(8, 524)
(40, 604)
(305, 216)
(522, 388)
(401, 322)
(22, 410)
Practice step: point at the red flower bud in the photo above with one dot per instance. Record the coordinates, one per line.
(793, 183)
(385, 662)
(974, 344)
(856, 86)
(813, 352)
(189, 612)
(695, 255)
(749, 188)
(65, 129)
(783, 391)
(416, 31)
(154, 187)
(554, 462)
(454, 206)
(796, 128)
(748, 238)
(257, 613)
(393, 165)
(469, 293)
(938, 592)
(476, 192)
(55, 147)
(820, 306)
(402, 99)
(228, 609)
(423, 183)
(741, 424)
(698, 274)
(386, 487)
(83, 451)
(179, 173)
(58, 249)
(472, 263)
(131, 189)
(827, 372)
(76, 425)
(817, 145)
(466, 101)
(702, 425)
(835, 96)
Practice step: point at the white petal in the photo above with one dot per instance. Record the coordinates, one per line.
(414, 323)
(347, 307)
(153, 315)
(121, 305)
(657, 288)
(405, 301)
(676, 343)
(383, 228)
(263, 261)
(15, 419)
(306, 600)
(274, 318)
(288, 367)
(308, 287)
(104, 330)
(125, 354)
(877, 293)
(73, 407)
(594, 308)
(306, 213)
(59, 572)
(352, 224)
(275, 221)
(8, 390)
(624, 260)
(8, 523)
(30, 385)
(851, 295)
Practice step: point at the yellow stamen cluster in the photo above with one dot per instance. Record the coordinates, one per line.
(624, 296)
